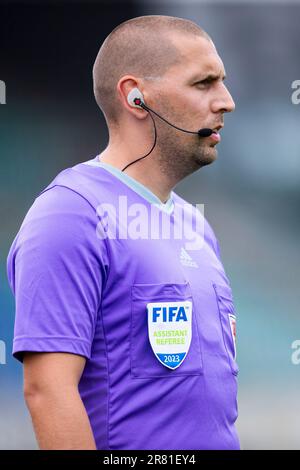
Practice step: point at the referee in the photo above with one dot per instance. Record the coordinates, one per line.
(125, 322)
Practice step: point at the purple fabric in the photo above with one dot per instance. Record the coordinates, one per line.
(81, 294)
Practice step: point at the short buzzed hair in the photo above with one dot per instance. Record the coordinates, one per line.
(142, 47)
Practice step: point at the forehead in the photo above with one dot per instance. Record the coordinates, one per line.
(198, 57)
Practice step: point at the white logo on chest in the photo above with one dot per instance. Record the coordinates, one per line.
(187, 260)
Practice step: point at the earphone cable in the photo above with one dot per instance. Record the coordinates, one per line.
(143, 105)
(155, 137)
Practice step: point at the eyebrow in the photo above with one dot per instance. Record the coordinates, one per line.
(211, 77)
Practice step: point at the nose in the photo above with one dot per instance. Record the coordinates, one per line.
(223, 101)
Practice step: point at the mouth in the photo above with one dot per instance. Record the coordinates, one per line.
(215, 136)
(217, 129)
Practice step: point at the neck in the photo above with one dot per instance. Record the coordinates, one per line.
(146, 171)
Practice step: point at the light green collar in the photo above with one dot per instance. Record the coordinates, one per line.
(135, 185)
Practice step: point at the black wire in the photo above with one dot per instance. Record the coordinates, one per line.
(179, 128)
(176, 127)
(155, 137)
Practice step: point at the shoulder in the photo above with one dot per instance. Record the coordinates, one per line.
(59, 210)
(60, 226)
(83, 180)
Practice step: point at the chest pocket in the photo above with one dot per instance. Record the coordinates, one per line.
(144, 363)
(227, 320)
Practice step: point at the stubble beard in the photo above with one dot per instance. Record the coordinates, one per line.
(178, 156)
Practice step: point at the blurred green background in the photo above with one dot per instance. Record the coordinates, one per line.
(251, 193)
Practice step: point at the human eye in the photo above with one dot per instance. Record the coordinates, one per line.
(205, 82)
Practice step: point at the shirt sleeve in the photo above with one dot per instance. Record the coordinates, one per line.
(57, 267)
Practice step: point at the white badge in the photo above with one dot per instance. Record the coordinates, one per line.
(170, 331)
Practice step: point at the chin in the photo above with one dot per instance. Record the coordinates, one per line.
(207, 157)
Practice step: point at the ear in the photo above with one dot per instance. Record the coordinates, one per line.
(125, 87)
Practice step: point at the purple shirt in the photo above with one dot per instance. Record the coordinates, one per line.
(82, 286)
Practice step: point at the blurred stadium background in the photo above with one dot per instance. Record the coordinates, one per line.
(251, 193)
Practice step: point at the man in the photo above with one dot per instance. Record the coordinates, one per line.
(127, 337)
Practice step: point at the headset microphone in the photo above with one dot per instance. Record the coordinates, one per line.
(135, 98)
